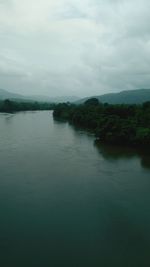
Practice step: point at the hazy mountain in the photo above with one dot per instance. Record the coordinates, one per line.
(5, 94)
(54, 99)
(124, 97)
(8, 95)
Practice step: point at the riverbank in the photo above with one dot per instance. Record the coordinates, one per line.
(10, 106)
(111, 124)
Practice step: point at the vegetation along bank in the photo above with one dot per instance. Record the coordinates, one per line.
(115, 124)
(14, 106)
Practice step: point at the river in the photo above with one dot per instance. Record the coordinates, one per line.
(64, 201)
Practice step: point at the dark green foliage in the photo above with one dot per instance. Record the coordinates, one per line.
(92, 102)
(115, 124)
(13, 106)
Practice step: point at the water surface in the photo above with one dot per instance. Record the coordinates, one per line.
(66, 202)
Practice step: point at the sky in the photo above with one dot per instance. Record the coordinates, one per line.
(74, 47)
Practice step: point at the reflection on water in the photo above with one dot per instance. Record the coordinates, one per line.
(112, 152)
(9, 118)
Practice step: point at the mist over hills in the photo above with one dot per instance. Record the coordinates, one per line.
(4, 94)
(124, 97)
(138, 96)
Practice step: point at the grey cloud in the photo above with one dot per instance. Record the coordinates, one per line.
(74, 47)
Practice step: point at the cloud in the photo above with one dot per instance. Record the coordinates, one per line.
(74, 47)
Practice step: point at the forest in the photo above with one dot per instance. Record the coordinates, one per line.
(14, 106)
(119, 124)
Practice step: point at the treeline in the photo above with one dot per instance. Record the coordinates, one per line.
(115, 124)
(14, 106)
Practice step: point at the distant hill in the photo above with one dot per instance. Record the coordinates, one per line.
(58, 99)
(5, 94)
(125, 97)
(40, 98)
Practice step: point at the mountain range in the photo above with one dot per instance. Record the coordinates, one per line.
(124, 97)
(40, 98)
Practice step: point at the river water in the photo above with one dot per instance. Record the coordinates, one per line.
(65, 201)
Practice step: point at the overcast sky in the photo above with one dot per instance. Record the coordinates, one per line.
(74, 47)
